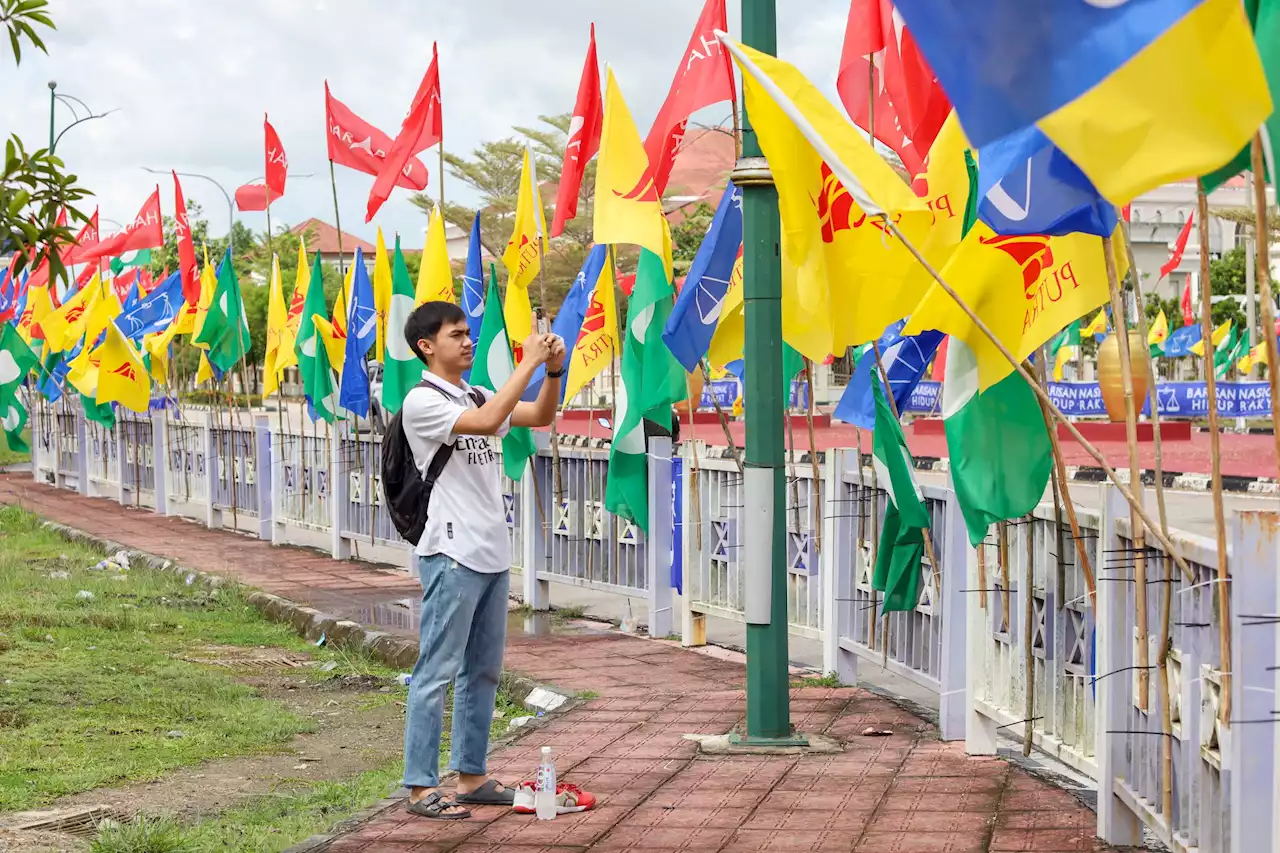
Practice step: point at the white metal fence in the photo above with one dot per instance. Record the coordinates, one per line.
(1072, 677)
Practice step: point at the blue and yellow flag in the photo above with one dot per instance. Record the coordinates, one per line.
(1137, 94)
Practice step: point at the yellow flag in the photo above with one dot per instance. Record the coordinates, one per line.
(277, 318)
(1219, 335)
(1098, 325)
(1159, 330)
(1025, 288)
(597, 342)
(65, 325)
(157, 346)
(381, 294)
(39, 309)
(205, 371)
(340, 309)
(288, 354)
(845, 276)
(435, 276)
(628, 208)
(122, 378)
(208, 285)
(335, 342)
(1253, 358)
(523, 257)
(82, 371)
(729, 338)
(1065, 354)
(101, 312)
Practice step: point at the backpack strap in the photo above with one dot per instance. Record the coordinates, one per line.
(441, 458)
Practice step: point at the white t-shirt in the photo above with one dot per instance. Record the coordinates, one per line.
(465, 518)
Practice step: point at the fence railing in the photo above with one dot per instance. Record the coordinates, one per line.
(1072, 677)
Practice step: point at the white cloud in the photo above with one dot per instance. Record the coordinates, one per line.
(191, 81)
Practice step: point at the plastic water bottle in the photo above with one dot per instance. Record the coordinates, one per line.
(544, 795)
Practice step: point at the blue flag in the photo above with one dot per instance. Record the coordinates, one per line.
(1005, 64)
(572, 311)
(693, 319)
(133, 298)
(1180, 341)
(156, 312)
(473, 284)
(362, 331)
(1038, 193)
(905, 361)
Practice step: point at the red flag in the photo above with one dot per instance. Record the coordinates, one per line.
(584, 139)
(143, 233)
(880, 57)
(123, 282)
(277, 164)
(145, 281)
(356, 144)
(940, 361)
(1126, 212)
(705, 77)
(1179, 246)
(421, 129)
(186, 247)
(88, 236)
(1188, 315)
(252, 197)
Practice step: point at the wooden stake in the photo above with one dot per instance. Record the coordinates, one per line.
(1061, 557)
(1002, 533)
(1000, 347)
(1215, 452)
(1028, 610)
(816, 508)
(982, 575)
(1120, 321)
(1264, 274)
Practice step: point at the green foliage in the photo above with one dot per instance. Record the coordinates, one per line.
(687, 236)
(1227, 277)
(18, 17)
(143, 835)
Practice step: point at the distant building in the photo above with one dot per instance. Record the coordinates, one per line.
(323, 238)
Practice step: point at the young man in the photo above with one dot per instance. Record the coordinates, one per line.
(464, 555)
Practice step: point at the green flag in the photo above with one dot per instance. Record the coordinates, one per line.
(313, 358)
(139, 258)
(1234, 348)
(16, 361)
(492, 368)
(651, 381)
(1265, 17)
(104, 414)
(897, 571)
(403, 368)
(226, 328)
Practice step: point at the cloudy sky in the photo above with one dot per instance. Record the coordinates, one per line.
(191, 81)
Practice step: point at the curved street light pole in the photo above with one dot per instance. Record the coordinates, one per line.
(231, 205)
(71, 102)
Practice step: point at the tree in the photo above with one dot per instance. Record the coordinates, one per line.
(493, 170)
(34, 186)
(1227, 278)
(687, 237)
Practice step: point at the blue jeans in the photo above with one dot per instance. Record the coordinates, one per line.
(462, 633)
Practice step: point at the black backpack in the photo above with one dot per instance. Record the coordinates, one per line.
(407, 492)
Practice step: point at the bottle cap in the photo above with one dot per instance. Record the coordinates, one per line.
(546, 750)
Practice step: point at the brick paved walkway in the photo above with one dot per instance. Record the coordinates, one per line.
(907, 793)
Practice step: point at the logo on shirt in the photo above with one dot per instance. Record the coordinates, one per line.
(477, 448)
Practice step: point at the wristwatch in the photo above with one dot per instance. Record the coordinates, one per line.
(556, 374)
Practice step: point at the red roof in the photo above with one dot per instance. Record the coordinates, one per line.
(701, 171)
(323, 238)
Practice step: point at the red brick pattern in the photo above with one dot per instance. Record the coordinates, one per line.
(908, 793)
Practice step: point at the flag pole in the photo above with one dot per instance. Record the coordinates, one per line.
(1121, 324)
(1263, 255)
(337, 222)
(1028, 655)
(1043, 395)
(724, 419)
(554, 439)
(1215, 454)
(816, 508)
(1042, 373)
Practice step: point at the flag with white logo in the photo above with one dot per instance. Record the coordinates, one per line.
(697, 310)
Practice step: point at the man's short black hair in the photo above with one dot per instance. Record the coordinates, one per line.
(426, 320)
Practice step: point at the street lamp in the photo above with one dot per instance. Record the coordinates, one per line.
(768, 694)
(231, 205)
(75, 105)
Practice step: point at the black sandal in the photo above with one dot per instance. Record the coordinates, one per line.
(435, 807)
(488, 795)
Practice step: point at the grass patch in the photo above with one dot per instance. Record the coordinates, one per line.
(559, 614)
(828, 680)
(13, 457)
(273, 823)
(93, 690)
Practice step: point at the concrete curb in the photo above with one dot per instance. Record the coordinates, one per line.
(395, 652)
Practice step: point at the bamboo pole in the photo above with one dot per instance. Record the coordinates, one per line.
(1006, 620)
(1264, 274)
(554, 440)
(982, 575)
(337, 224)
(1000, 347)
(1042, 372)
(724, 419)
(1215, 454)
(1120, 321)
(1028, 659)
